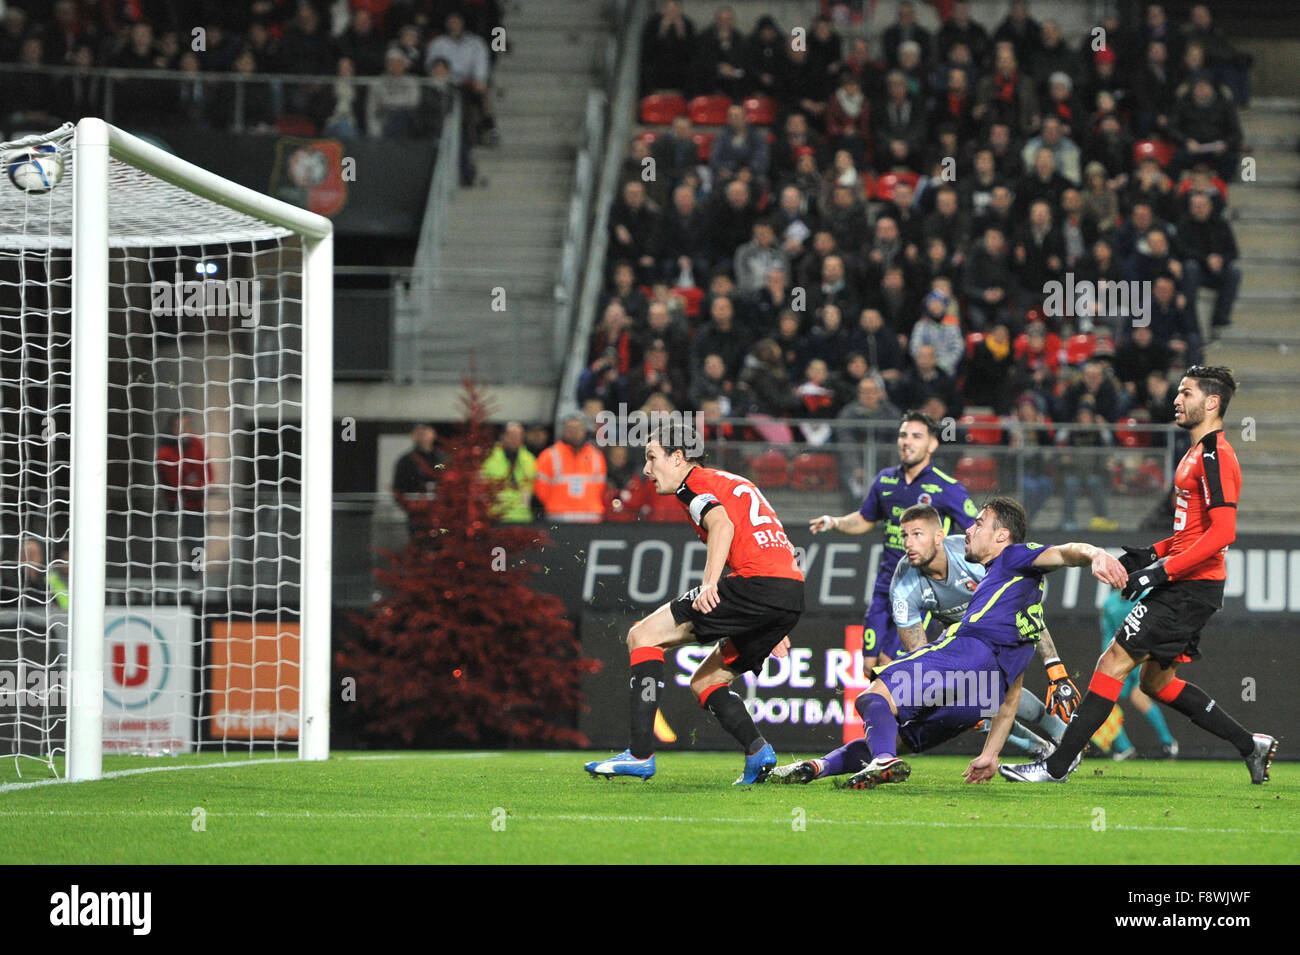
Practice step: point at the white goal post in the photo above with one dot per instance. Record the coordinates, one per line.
(110, 172)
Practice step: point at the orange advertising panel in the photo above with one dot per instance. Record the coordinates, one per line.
(254, 680)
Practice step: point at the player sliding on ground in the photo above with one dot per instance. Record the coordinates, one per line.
(748, 613)
(933, 585)
(933, 693)
(1180, 579)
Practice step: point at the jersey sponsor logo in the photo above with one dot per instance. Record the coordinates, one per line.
(969, 508)
(1208, 454)
(775, 538)
(932, 488)
(1034, 546)
(886, 493)
(888, 480)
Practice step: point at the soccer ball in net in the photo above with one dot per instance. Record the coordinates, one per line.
(35, 169)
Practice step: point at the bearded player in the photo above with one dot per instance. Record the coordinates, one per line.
(932, 587)
(1180, 581)
(914, 481)
(939, 690)
(747, 613)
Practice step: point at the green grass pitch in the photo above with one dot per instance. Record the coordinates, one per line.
(541, 807)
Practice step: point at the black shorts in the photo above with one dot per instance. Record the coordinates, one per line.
(1166, 624)
(752, 615)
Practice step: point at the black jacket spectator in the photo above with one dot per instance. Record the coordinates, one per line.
(363, 44)
(1134, 360)
(667, 51)
(731, 222)
(926, 380)
(635, 230)
(988, 373)
(766, 62)
(871, 338)
(1197, 239)
(720, 58)
(1097, 385)
(722, 335)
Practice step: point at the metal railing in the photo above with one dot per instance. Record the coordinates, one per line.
(577, 233)
(135, 97)
(413, 297)
(631, 17)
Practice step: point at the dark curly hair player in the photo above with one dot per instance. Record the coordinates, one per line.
(1180, 581)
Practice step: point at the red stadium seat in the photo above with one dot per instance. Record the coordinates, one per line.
(660, 109)
(978, 473)
(709, 110)
(760, 110)
(973, 339)
(770, 469)
(814, 472)
(885, 184)
(1128, 437)
(982, 428)
(1157, 149)
(1079, 348)
(705, 142)
(868, 185)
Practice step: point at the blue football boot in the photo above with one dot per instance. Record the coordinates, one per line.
(624, 764)
(758, 767)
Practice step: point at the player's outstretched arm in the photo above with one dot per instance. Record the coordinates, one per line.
(1104, 567)
(852, 523)
(985, 766)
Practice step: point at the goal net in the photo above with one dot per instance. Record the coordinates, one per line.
(165, 459)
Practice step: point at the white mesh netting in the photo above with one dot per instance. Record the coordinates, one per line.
(204, 469)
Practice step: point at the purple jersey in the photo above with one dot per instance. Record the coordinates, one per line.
(891, 495)
(1006, 611)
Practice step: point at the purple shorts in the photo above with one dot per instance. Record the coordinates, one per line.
(947, 687)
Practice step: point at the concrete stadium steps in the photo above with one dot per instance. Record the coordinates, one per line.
(1263, 343)
(509, 232)
(1266, 242)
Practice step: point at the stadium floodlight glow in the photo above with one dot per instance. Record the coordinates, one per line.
(232, 633)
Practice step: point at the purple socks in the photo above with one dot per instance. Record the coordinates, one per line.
(881, 724)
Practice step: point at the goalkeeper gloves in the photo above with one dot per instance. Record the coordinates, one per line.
(1062, 694)
(1140, 580)
(1135, 558)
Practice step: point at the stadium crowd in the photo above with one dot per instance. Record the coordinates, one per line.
(396, 41)
(806, 229)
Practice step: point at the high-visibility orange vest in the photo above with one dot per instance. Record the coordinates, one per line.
(571, 484)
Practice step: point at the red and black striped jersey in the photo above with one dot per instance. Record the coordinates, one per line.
(759, 547)
(1208, 477)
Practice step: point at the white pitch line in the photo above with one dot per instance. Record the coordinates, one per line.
(119, 773)
(574, 817)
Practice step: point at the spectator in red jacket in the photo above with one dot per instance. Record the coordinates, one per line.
(184, 473)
